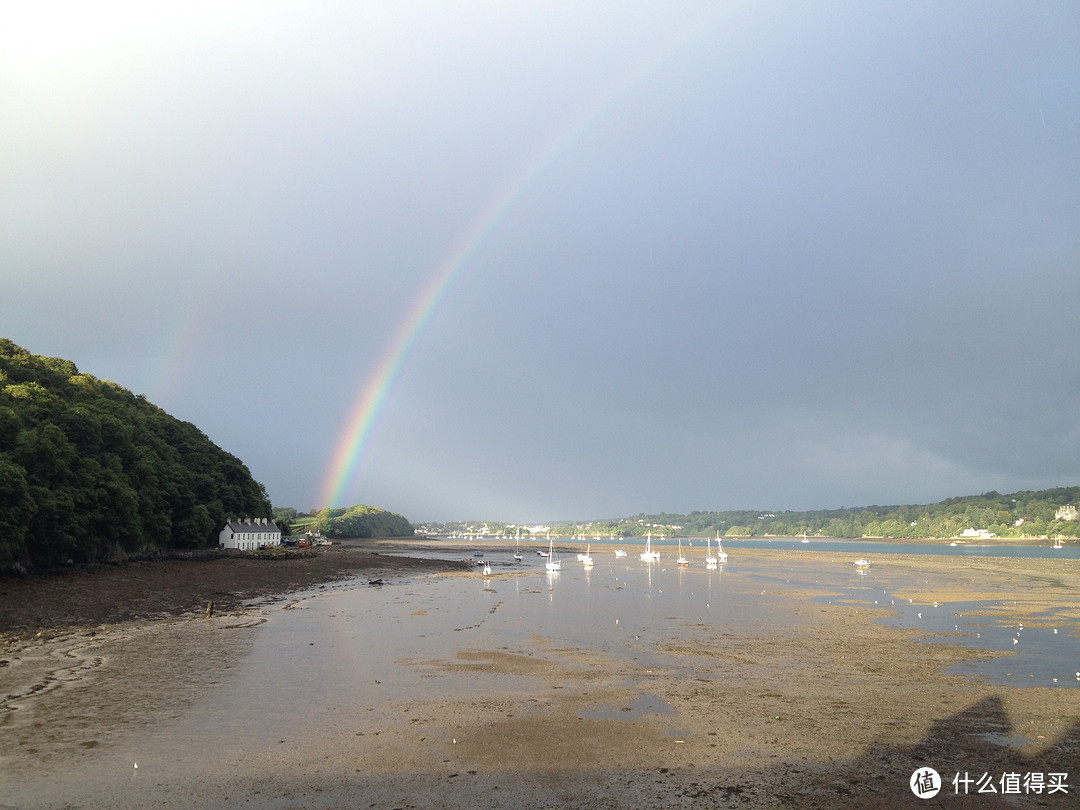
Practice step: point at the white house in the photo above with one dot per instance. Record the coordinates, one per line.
(249, 534)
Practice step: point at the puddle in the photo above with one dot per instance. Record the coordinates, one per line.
(1044, 652)
(645, 703)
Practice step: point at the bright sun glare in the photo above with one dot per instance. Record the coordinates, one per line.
(43, 36)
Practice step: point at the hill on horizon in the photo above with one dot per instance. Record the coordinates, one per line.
(1048, 513)
(359, 520)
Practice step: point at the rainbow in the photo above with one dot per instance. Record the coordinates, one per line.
(184, 319)
(354, 440)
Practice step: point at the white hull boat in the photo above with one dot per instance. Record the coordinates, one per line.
(648, 555)
(553, 563)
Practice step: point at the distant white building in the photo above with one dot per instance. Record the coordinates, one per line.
(1067, 513)
(249, 534)
(982, 534)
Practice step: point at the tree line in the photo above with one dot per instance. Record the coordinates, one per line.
(1026, 514)
(349, 521)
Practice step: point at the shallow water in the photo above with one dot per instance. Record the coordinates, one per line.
(1043, 653)
(344, 662)
(625, 593)
(350, 656)
(1044, 549)
(965, 548)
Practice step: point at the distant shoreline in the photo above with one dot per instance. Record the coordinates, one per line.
(968, 541)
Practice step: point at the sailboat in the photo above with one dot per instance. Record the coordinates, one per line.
(553, 563)
(517, 553)
(648, 555)
(721, 555)
(682, 560)
(710, 560)
(586, 558)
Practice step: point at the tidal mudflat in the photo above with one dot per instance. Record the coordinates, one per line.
(781, 680)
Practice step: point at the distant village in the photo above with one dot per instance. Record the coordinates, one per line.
(767, 523)
(1065, 513)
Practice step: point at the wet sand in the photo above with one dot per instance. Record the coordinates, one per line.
(822, 707)
(104, 594)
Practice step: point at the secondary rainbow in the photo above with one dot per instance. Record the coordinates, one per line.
(355, 439)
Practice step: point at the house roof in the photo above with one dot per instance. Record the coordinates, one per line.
(245, 526)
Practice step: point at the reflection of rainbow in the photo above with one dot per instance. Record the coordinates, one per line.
(354, 439)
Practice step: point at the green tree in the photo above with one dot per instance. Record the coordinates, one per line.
(16, 508)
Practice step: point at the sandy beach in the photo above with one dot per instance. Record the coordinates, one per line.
(819, 706)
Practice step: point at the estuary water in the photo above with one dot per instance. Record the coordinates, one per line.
(622, 595)
(332, 672)
(962, 548)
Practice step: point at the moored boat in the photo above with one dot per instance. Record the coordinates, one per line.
(648, 555)
(710, 560)
(553, 563)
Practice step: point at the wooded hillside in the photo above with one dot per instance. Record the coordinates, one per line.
(89, 470)
(1016, 515)
(362, 521)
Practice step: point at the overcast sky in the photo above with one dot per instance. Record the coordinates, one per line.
(693, 255)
